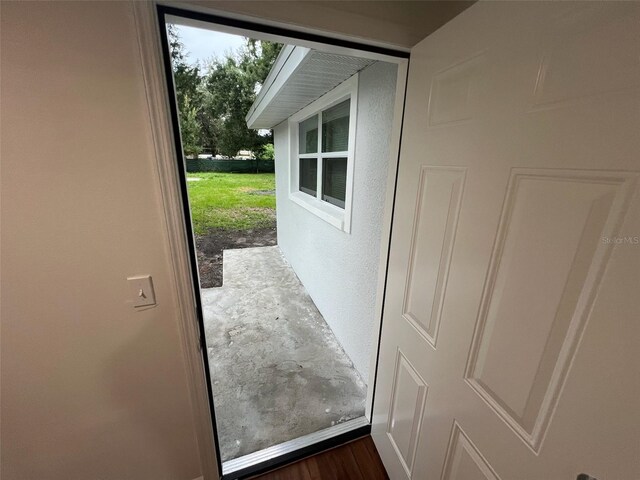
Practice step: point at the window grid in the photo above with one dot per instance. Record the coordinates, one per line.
(320, 156)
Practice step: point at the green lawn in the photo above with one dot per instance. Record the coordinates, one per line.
(230, 200)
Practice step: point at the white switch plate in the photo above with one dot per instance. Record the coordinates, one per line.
(141, 291)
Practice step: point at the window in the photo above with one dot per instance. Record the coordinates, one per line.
(334, 125)
(309, 175)
(334, 181)
(322, 154)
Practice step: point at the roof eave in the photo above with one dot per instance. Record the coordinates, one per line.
(289, 60)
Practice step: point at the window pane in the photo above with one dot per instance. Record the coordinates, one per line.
(308, 135)
(335, 128)
(309, 175)
(334, 180)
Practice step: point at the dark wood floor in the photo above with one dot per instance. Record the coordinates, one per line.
(357, 460)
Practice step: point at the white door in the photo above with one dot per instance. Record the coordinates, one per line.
(511, 332)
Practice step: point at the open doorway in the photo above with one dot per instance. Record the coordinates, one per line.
(290, 324)
(229, 167)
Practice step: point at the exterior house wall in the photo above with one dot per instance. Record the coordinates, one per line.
(91, 388)
(339, 270)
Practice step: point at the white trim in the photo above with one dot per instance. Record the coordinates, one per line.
(284, 39)
(174, 223)
(335, 216)
(325, 210)
(329, 99)
(385, 237)
(289, 61)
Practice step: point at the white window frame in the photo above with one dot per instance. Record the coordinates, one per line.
(332, 214)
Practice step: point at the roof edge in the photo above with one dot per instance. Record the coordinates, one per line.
(289, 60)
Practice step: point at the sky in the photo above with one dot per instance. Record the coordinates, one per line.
(202, 44)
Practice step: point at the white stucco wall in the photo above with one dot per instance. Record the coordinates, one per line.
(340, 270)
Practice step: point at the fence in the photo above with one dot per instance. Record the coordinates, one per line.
(230, 166)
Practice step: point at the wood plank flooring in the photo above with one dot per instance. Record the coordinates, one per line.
(357, 460)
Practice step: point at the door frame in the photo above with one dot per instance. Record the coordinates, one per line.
(150, 18)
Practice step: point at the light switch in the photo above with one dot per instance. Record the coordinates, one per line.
(141, 291)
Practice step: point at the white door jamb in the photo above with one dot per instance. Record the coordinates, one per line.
(162, 131)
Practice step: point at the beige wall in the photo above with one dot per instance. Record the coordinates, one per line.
(90, 388)
(394, 22)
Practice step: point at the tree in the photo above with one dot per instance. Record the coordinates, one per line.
(188, 95)
(257, 59)
(190, 129)
(267, 152)
(212, 106)
(231, 85)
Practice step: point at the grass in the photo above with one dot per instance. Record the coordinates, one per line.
(229, 201)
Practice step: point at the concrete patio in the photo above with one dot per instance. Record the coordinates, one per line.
(278, 371)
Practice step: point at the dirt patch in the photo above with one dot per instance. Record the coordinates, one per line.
(253, 191)
(262, 192)
(209, 249)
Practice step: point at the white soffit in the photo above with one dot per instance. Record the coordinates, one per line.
(299, 76)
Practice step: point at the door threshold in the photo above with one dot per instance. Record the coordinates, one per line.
(292, 450)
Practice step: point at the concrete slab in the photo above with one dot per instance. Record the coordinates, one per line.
(278, 371)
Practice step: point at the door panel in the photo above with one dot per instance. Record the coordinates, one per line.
(438, 204)
(532, 312)
(511, 309)
(407, 407)
(464, 461)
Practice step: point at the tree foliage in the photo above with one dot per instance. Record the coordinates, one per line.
(213, 104)
(267, 152)
(187, 81)
(190, 129)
